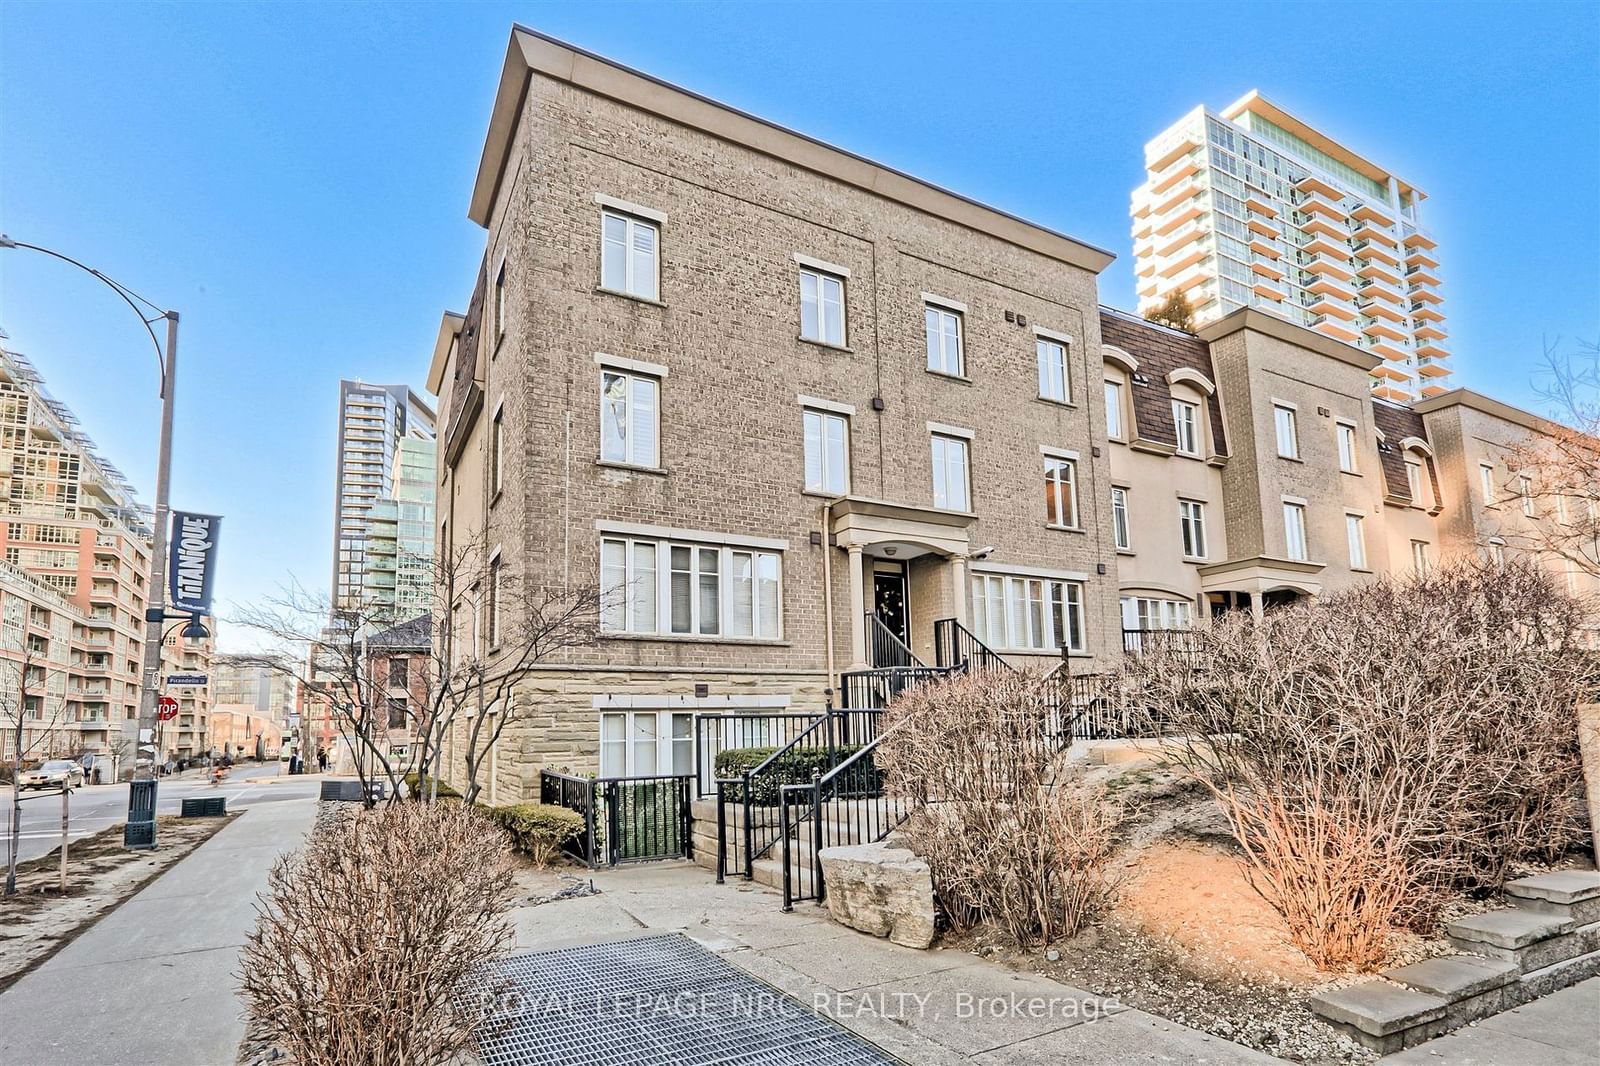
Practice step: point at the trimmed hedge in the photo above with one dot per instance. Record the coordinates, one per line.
(418, 786)
(796, 767)
(538, 830)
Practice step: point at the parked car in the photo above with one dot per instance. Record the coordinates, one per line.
(57, 773)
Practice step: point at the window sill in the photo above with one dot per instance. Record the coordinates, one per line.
(1058, 403)
(1290, 458)
(1126, 551)
(827, 344)
(960, 379)
(496, 498)
(819, 494)
(1362, 570)
(1351, 473)
(1196, 456)
(631, 467)
(1064, 529)
(629, 296)
(690, 638)
(1197, 560)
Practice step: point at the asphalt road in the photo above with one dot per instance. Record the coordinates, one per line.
(94, 807)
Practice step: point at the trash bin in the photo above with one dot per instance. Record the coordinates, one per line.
(140, 832)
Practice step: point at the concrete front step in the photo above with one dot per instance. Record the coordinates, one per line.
(1471, 987)
(1535, 954)
(1381, 1015)
(1573, 894)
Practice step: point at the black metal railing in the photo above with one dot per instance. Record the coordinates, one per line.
(626, 819)
(575, 794)
(1141, 641)
(873, 689)
(847, 805)
(956, 646)
(717, 733)
(885, 649)
(646, 818)
(747, 815)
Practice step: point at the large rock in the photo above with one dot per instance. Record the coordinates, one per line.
(882, 890)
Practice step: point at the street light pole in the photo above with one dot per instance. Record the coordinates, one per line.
(156, 597)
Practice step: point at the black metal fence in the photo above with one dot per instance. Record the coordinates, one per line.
(847, 805)
(885, 648)
(955, 646)
(717, 733)
(626, 819)
(873, 689)
(1141, 641)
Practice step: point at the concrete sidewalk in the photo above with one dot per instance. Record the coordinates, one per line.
(152, 983)
(1562, 1029)
(931, 1008)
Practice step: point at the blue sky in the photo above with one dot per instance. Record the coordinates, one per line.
(293, 178)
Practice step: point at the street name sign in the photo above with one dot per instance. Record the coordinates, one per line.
(186, 680)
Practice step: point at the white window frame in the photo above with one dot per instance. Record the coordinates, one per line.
(1186, 427)
(1345, 440)
(1497, 551)
(494, 598)
(1114, 413)
(820, 280)
(1525, 494)
(1285, 423)
(631, 282)
(500, 302)
(1018, 612)
(629, 440)
(1355, 534)
(946, 448)
(1192, 526)
(1121, 520)
(1414, 481)
(497, 450)
(815, 424)
(936, 322)
(1486, 483)
(1055, 369)
(668, 745)
(765, 590)
(1154, 614)
(1061, 492)
(1295, 534)
(1420, 562)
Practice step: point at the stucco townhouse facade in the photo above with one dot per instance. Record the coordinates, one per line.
(794, 411)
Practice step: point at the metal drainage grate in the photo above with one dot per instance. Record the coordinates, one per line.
(656, 1001)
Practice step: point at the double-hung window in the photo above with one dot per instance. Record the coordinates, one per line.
(1055, 380)
(493, 606)
(1414, 482)
(821, 307)
(1147, 614)
(1355, 533)
(646, 743)
(1060, 491)
(681, 589)
(1283, 418)
(1525, 491)
(1114, 410)
(500, 302)
(497, 451)
(1121, 530)
(630, 412)
(1294, 530)
(950, 479)
(1186, 422)
(1347, 447)
(827, 446)
(629, 255)
(1497, 551)
(1419, 556)
(1486, 481)
(1192, 519)
(944, 341)
(1028, 613)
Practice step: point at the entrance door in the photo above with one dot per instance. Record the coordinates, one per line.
(889, 598)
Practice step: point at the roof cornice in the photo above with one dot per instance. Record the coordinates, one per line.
(530, 51)
(1248, 318)
(1488, 405)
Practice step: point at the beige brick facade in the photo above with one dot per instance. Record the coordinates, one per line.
(738, 206)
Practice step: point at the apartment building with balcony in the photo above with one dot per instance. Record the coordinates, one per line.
(398, 572)
(792, 411)
(73, 523)
(373, 420)
(1253, 207)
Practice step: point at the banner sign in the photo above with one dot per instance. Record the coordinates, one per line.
(192, 561)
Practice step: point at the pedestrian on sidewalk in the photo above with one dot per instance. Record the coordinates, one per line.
(322, 760)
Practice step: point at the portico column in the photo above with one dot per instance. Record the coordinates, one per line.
(1257, 609)
(958, 587)
(858, 611)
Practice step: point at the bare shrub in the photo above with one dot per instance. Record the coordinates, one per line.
(1008, 837)
(1383, 745)
(366, 935)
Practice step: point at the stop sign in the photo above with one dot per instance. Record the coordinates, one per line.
(166, 708)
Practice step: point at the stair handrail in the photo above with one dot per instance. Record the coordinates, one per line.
(746, 804)
(884, 643)
(958, 647)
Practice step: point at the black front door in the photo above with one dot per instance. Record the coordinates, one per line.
(889, 599)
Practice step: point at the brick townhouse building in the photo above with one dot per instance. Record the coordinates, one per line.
(790, 408)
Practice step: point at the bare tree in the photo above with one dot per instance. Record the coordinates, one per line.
(1175, 312)
(26, 736)
(1558, 470)
(487, 632)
